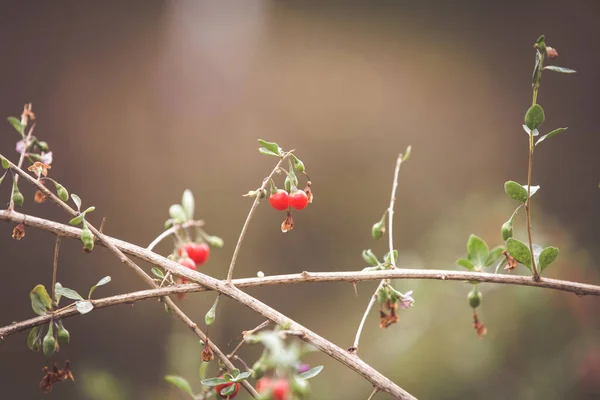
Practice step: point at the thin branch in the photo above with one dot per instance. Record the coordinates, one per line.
(103, 239)
(251, 213)
(245, 335)
(172, 230)
(55, 268)
(373, 393)
(390, 212)
(141, 253)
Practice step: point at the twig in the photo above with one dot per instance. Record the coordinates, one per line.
(141, 253)
(251, 213)
(245, 335)
(390, 212)
(55, 269)
(103, 239)
(173, 230)
(11, 204)
(373, 393)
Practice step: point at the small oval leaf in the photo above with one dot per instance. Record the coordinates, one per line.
(188, 204)
(463, 262)
(519, 251)
(547, 257)
(40, 300)
(311, 373)
(271, 146)
(68, 293)
(477, 250)
(562, 70)
(214, 381)
(177, 213)
(76, 200)
(549, 135)
(515, 191)
(534, 116)
(84, 307)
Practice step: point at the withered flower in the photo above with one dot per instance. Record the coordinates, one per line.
(478, 326)
(55, 376)
(19, 232)
(39, 197)
(207, 353)
(308, 191)
(27, 114)
(511, 262)
(39, 168)
(386, 320)
(288, 223)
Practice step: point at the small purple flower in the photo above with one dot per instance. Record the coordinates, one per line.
(302, 368)
(407, 300)
(20, 146)
(46, 158)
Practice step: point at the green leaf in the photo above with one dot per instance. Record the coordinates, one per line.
(507, 229)
(16, 123)
(534, 117)
(494, 255)
(262, 150)
(214, 241)
(187, 201)
(516, 191)
(180, 383)
(370, 257)
(519, 251)
(202, 371)
(177, 213)
(102, 282)
(533, 190)
(77, 220)
(463, 262)
(536, 68)
(89, 210)
(271, 146)
(528, 131)
(228, 390)
(68, 293)
(84, 307)
(58, 295)
(388, 259)
(5, 163)
(562, 70)
(76, 200)
(158, 272)
(549, 135)
(547, 257)
(311, 373)
(242, 377)
(214, 381)
(34, 339)
(40, 300)
(477, 250)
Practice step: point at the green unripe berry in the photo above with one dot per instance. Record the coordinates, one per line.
(474, 298)
(49, 343)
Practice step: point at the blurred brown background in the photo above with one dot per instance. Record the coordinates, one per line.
(142, 99)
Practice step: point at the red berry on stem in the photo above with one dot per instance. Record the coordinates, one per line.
(298, 200)
(263, 385)
(188, 263)
(222, 386)
(198, 252)
(280, 200)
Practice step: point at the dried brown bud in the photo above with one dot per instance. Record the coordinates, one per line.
(27, 114)
(511, 262)
(288, 223)
(386, 320)
(19, 232)
(39, 197)
(478, 326)
(551, 52)
(207, 353)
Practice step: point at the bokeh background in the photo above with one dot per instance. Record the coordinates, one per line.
(142, 99)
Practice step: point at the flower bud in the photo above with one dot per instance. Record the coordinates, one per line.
(62, 193)
(370, 258)
(551, 52)
(87, 239)
(474, 298)
(49, 343)
(63, 335)
(378, 230)
(18, 198)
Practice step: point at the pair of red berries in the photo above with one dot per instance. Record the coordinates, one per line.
(223, 386)
(281, 200)
(280, 388)
(197, 252)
